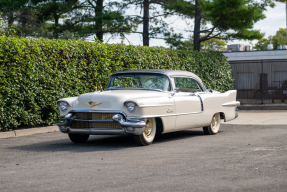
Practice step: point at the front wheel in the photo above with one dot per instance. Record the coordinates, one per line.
(148, 135)
(79, 138)
(214, 126)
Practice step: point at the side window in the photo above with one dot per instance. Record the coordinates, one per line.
(157, 83)
(185, 84)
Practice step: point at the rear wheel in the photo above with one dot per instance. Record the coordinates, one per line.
(148, 135)
(214, 126)
(79, 138)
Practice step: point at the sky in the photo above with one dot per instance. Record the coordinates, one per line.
(275, 19)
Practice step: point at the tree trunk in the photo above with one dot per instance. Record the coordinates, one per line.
(56, 31)
(99, 20)
(11, 18)
(196, 35)
(146, 23)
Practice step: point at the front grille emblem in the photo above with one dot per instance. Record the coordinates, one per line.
(92, 104)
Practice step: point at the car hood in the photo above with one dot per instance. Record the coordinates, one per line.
(112, 100)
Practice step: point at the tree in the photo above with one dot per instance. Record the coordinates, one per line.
(54, 10)
(222, 19)
(21, 16)
(278, 39)
(262, 44)
(6, 30)
(101, 18)
(11, 8)
(151, 20)
(205, 46)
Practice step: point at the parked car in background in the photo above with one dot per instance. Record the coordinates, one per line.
(143, 103)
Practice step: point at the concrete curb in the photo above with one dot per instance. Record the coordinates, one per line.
(31, 131)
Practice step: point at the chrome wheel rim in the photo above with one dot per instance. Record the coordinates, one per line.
(148, 128)
(215, 122)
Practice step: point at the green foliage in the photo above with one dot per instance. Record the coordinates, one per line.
(222, 19)
(278, 39)
(35, 73)
(262, 44)
(7, 30)
(204, 46)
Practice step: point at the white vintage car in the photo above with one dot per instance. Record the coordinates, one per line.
(143, 103)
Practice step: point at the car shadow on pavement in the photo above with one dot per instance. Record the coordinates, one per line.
(43, 142)
(169, 137)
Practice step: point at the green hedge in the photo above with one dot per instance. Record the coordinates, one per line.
(35, 73)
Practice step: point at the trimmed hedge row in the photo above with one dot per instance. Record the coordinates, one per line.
(35, 73)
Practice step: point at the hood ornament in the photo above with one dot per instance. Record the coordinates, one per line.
(92, 104)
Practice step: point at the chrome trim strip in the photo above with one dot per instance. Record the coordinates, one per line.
(92, 121)
(231, 104)
(101, 131)
(159, 105)
(202, 109)
(94, 111)
(97, 131)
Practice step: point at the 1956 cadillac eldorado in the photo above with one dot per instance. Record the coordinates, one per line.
(143, 103)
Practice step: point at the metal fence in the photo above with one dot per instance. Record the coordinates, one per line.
(260, 81)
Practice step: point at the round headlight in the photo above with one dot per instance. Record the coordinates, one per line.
(63, 105)
(131, 106)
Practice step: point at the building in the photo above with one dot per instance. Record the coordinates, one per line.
(238, 47)
(259, 76)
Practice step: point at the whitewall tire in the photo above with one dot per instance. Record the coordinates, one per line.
(148, 135)
(214, 126)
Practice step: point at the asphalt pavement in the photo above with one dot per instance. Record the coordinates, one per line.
(260, 117)
(249, 155)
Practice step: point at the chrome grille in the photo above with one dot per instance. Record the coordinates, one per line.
(94, 116)
(85, 124)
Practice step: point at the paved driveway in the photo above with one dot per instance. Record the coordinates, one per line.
(239, 158)
(260, 118)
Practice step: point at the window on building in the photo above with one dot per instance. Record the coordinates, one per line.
(279, 77)
(245, 81)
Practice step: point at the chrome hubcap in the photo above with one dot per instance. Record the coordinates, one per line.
(148, 128)
(214, 122)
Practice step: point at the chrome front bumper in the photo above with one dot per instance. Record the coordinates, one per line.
(128, 127)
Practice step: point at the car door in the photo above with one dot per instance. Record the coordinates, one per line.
(188, 104)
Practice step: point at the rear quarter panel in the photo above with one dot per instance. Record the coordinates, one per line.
(214, 103)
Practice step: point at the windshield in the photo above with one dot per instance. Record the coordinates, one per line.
(139, 81)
